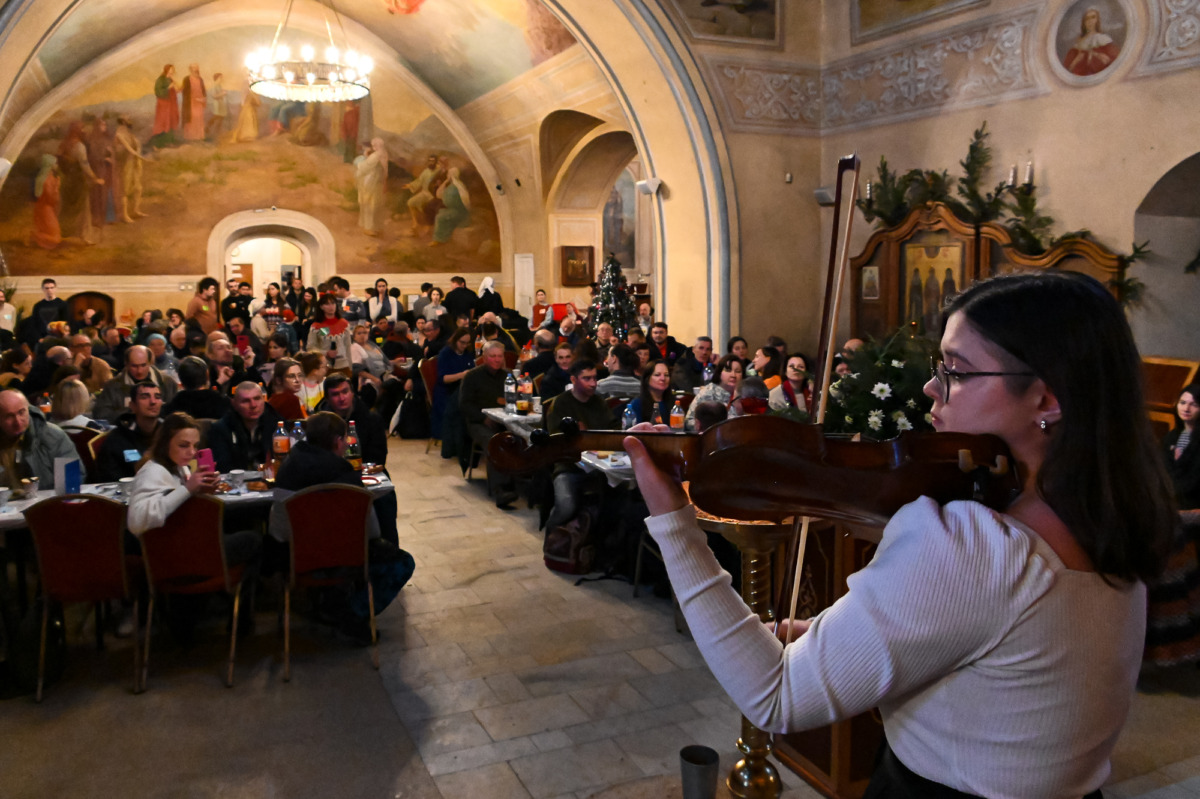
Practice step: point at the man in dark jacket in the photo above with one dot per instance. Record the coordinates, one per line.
(123, 447)
(241, 439)
(460, 300)
(317, 460)
(196, 398)
(372, 441)
(591, 412)
(545, 341)
(663, 346)
(114, 397)
(688, 372)
(483, 387)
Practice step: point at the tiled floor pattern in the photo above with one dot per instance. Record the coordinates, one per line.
(499, 679)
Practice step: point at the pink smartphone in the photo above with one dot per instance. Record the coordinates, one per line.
(204, 461)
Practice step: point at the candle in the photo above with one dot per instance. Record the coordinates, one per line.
(1012, 176)
(1029, 173)
(868, 191)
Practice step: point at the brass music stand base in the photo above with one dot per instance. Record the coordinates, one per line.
(754, 777)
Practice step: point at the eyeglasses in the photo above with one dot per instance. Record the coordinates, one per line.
(942, 375)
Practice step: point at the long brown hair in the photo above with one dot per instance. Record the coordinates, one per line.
(159, 450)
(1103, 474)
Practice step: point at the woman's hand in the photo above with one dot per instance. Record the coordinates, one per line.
(201, 481)
(661, 492)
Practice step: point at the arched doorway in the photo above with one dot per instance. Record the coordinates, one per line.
(308, 235)
(1169, 218)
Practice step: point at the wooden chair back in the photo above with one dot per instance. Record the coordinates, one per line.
(428, 370)
(81, 438)
(187, 554)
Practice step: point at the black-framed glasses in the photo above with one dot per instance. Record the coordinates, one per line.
(942, 374)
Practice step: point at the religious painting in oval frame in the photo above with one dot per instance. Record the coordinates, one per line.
(1089, 39)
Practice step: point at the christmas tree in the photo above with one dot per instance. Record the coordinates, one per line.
(612, 301)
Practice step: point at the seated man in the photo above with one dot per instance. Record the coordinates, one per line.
(604, 339)
(590, 411)
(483, 387)
(122, 449)
(225, 368)
(113, 399)
(622, 380)
(28, 443)
(241, 439)
(558, 377)
(317, 460)
(372, 442)
(689, 372)
(545, 342)
(196, 398)
(491, 331)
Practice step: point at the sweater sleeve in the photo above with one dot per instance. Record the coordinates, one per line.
(156, 495)
(944, 587)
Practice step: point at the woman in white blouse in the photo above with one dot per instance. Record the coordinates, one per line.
(1001, 647)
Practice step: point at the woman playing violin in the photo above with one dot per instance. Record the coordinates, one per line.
(1001, 648)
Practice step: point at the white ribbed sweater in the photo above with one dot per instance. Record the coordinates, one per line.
(998, 671)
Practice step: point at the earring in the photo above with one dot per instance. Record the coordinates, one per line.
(1042, 424)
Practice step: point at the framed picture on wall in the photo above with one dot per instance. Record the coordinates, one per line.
(933, 272)
(578, 266)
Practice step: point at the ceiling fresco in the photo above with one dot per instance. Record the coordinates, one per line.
(462, 49)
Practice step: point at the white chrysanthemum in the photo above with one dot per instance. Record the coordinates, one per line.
(912, 404)
(898, 364)
(882, 390)
(902, 422)
(929, 418)
(875, 420)
(849, 419)
(835, 389)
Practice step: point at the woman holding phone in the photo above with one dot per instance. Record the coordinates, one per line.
(164, 481)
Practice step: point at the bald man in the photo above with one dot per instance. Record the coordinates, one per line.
(113, 399)
(28, 443)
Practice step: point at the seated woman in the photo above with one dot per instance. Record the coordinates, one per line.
(164, 481)
(1001, 646)
(796, 389)
(312, 390)
(767, 364)
(727, 377)
(376, 384)
(330, 334)
(15, 366)
(287, 381)
(70, 405)
(738, 346)
(275, 348)
(1173, 634)
(656, 400)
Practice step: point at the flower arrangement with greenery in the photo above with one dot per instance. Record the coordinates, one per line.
(882, 396)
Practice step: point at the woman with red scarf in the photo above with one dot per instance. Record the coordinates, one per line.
(330, 334)
(796, 389)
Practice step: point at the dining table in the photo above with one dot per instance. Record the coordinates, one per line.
(522, 426)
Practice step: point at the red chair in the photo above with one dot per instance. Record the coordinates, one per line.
(329, 547)
(428, 370)
(81, 438)
(94, 444)
(187, 556)
(81, 558)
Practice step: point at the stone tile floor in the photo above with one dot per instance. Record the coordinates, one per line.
(499, 678)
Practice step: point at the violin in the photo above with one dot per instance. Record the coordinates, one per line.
(769, 468)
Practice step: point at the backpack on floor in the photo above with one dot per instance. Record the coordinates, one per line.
(571, 548)
(411, 419)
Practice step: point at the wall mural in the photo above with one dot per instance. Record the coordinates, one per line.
(872, 19)
(620, 221)
(732, 21)
(132, 174)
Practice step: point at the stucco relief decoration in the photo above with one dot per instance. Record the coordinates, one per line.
(1174, 40)
(984, 62)
(764, 96)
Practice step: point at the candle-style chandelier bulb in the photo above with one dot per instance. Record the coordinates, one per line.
(283, 53)
(307, 53)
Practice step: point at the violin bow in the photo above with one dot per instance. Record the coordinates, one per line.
(839, 257)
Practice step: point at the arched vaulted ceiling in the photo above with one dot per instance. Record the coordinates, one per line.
(460, 49)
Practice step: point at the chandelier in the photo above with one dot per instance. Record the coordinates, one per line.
(278, 73)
